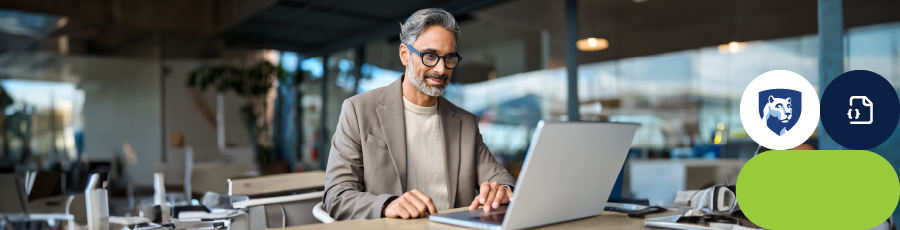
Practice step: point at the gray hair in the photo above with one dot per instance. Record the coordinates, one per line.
(418, 21)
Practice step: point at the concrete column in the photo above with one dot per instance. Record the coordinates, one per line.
(323, 127)
(831, 55)
(357, 66)
(572, 58)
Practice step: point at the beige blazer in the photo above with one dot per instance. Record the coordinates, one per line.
(367, 162)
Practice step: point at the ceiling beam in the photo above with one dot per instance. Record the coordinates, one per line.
(390, 28)
(302, 24)
(344, 13)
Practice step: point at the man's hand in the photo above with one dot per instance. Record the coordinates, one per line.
(412, 204)
(492, 194)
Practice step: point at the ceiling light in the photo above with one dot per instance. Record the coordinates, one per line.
(592, 44)
(732, 47)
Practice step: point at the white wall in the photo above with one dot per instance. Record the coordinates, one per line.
(183, 116)
(122, 104)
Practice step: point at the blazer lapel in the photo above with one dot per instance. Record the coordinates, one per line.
(394, 127)
(451, 128)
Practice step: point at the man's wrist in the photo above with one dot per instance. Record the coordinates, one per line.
(509, 187)
(386, 203)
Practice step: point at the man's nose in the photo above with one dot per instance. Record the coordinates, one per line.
(440, 68)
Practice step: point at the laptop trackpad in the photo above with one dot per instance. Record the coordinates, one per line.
(495, 216)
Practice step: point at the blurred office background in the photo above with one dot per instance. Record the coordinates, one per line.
(255, 87)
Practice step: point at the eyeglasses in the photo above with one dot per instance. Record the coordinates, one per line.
(432, 59)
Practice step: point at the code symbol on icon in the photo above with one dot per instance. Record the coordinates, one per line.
(854, 114)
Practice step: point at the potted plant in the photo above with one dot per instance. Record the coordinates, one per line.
(255, 85)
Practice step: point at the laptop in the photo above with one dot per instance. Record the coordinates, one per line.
(569, 171)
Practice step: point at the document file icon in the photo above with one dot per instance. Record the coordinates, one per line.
(865, 102)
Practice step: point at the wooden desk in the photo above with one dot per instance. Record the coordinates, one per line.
(278, 183)
(607, 220)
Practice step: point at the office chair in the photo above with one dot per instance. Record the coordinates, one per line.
(322, 215)
(14, 193)
(269, 205)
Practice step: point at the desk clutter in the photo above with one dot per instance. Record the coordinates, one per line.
(297, 205)
(273, 206)
(715, 207)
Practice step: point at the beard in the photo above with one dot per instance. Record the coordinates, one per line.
(423, 85)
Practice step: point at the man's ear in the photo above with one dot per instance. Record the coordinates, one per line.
(404, 54)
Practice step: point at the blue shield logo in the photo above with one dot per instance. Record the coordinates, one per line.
(780, 109)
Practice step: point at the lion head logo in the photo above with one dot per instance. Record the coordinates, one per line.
(779, 109)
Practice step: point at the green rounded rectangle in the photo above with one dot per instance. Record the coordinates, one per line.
(818, 189)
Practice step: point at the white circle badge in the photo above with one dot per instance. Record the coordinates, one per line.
(780, 109)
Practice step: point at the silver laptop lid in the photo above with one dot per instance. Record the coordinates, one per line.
(570, 169)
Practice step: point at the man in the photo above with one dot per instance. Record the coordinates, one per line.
(403, 151)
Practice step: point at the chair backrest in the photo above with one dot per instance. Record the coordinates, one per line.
(312, 180)
(43, 184)
(266, 209)
(322, 215)
(282, 211)
(13, 193)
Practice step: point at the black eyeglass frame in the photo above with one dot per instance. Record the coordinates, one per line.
(440, 58)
